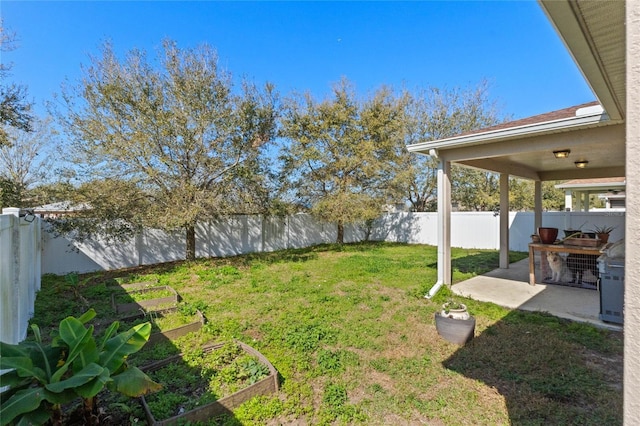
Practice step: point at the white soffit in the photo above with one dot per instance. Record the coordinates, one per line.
(594, 33)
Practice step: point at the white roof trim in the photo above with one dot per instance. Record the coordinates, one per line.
(595, 185)
(589, 118)
(594, 109)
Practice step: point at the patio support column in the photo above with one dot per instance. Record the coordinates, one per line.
(444, 221)
(587, 198)
(504, 220)
(537, 205)
(568, 200)
(578, 201)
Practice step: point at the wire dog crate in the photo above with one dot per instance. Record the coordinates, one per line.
(570, 269)
(561, 264)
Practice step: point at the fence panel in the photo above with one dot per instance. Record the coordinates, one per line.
(20, 272)
(246, 234)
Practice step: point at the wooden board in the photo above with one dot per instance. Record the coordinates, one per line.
(582, 242)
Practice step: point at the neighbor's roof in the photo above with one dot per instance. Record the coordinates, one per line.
(599, 184)
(61, 207)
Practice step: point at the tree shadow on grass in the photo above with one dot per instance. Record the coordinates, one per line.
(280, 256)
(549, 370)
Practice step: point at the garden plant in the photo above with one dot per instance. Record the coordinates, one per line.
(41, 376)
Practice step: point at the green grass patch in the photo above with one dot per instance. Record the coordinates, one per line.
(354, 340)
(141, 295)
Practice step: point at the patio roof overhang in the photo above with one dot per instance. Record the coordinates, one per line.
(594, 33)
(524, 148)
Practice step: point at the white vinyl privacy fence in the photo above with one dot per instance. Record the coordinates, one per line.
(20, 271)
(26, 252)
(249, 234)
(231, 236)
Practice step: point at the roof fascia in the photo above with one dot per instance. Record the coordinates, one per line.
(514, 132)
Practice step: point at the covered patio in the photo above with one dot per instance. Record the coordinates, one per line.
(585, 141)
(528, 149)
(604, 41)
(612, 190)
(510, 288)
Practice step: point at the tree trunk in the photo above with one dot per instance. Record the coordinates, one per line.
(191, 242)
(90, 411)
(56, 416)
(340, 238)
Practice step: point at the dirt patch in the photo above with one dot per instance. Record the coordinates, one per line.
(611, 367)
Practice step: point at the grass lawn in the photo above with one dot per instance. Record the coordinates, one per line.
(354, 340)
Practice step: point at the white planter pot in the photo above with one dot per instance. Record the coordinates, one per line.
(455, 313)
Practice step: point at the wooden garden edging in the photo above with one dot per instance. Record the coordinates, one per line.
(144, 287)
(266, 386)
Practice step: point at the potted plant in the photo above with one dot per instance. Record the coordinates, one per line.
(454, 323)
(547, 235)
(574, 232)
(602, 232)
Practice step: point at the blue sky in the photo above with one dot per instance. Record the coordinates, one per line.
(308, 46)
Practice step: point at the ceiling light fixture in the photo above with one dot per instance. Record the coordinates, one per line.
(581, 164)
(562, 153)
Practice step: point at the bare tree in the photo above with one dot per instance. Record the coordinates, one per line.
(27, 161)
(15, 110)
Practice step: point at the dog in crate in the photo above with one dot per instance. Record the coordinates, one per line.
(558, 266)
(583, 267)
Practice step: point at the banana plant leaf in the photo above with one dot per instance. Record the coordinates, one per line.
(134, 382)
(21, 402)
(118, 347)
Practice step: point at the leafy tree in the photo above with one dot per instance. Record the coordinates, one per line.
(552, 197)
(475, 190)
(121, 206)
(342, 154)
(437, 114)
(480, 191)
(9, 194)
(521, 195)
(26, 162)
(183, 136)
(15, 111)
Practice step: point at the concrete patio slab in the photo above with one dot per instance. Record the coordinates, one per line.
(510, 288)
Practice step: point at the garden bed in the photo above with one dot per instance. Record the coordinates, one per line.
(143, 296)
(168, 324)
(201, 386)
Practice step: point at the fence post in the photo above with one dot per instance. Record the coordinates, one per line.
(11, 301)
(262, 229)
